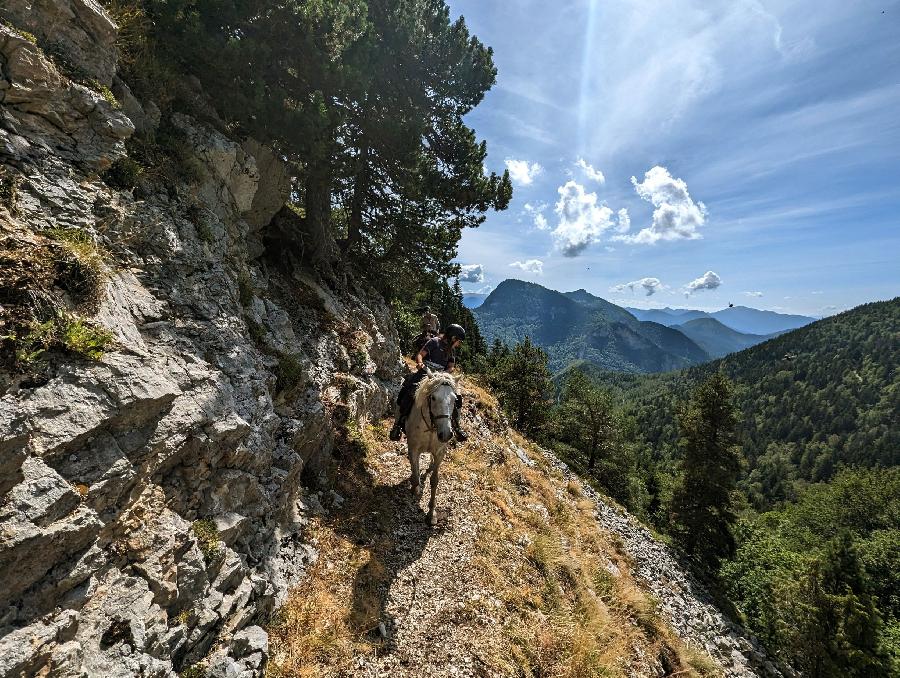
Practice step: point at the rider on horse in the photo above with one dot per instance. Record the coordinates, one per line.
(437, 355)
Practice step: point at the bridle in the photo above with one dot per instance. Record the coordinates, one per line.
(432, 416)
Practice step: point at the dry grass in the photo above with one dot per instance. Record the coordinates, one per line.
(539, 552)
(333, 615)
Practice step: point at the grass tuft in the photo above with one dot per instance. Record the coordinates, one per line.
(208, 539)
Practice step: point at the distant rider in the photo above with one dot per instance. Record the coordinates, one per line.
(438, 355)
(430, 325)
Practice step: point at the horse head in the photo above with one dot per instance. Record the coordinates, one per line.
(439, 394)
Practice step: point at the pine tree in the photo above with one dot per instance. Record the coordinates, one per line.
(586, 418)
(836, 625)
(701, 507)
(524, 387)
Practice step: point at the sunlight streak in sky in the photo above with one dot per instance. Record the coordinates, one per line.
(587, 70)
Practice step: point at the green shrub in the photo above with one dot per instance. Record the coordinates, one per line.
(288, 372)
(84, 339)
(123, 174)
(83, 268)
(208, 539)
(106, 93)
(245, 289)
(358, 360)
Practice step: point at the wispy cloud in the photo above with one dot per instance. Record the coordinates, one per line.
(649, 285)
(590, 172)
(471, 273)
(753, 294)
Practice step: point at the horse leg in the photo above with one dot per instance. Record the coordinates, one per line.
(436, 459)
(415, 483)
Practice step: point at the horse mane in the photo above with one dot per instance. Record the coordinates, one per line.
(427, 386)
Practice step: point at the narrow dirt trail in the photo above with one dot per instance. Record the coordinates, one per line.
(526, 574)
(428, 627)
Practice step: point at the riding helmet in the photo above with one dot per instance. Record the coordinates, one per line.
(454, 332)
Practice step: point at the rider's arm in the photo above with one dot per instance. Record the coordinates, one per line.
(420, 358)
(451, 366)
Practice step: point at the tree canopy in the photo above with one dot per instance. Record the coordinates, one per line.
(365, 100)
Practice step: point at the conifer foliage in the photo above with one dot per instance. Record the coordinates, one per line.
(365, 100)
(701, 508)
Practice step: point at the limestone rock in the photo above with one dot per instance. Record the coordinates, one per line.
(79, 30)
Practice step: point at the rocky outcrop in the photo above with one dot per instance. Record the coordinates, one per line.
(151, 501)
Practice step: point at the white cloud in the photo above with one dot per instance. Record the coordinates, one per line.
(707, 281)
(471, 273)
(817, 292)
(676, 217)
(536, 212)
(624, 221)
(649, 285)
(521, 172)
(590, 172)
(582, 221)
(530, 266)
(753, 294)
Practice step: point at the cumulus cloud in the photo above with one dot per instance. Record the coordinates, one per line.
(582, 221)
(707, 281)
(471, 273)
(676, 217)
(522, 172)
(649, 285)
(536, 212)
(530, 266)
(590, 172)
(753, 294)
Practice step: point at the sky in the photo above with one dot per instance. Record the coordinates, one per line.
(693, 153)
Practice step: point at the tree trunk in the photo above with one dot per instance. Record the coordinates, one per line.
(360, 189)
(318, 220)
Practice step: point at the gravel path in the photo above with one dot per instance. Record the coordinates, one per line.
(428, 628)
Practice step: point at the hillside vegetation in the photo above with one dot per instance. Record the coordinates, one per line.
(809, 401)
(801, 530)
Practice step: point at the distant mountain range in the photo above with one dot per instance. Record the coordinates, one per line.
(577, 326)
(739, 318)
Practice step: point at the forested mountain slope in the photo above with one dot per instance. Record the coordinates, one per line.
(718, 339)
(578, 326)
(828, 392)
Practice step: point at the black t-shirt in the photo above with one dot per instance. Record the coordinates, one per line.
(438, 354)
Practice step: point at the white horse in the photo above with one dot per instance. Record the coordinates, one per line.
(428, 429)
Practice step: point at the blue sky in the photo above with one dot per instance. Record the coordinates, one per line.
(763, 138)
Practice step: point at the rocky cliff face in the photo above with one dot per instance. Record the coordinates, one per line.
(152, 500)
